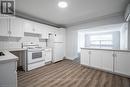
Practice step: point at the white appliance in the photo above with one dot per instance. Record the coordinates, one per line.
(57, 42)
(58, 51)
(127, 13)
(35, 56)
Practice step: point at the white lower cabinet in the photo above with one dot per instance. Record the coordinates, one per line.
(16, 27)
(95, 59)
(111, 60)
(122, 63)
(48, 56)
(85, 54)
(107, 60)
(102, 59)
(8, 74)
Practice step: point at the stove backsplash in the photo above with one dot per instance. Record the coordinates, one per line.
(12, 42)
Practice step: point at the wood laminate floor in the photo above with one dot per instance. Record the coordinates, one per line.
(69, 74)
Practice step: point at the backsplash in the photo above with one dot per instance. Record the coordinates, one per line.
(13, 42)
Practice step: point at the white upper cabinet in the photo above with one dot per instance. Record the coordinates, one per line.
(38, 28)
(16, 28)
(122, 63)
(4, 27)
(85, 54)
(12, 27)
(45, 34)
(28, 27)
(44, 30)
(32, 27)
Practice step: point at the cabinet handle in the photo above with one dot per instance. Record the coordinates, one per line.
(89, 52)
(114, 55)
(9, 32)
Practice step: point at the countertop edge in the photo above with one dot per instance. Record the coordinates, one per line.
(8, 57)
(107, 49)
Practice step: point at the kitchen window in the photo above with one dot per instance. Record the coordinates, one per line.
(101, 41)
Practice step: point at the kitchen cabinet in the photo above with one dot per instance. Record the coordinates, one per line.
(12, 27)
(8, 74)
(107, 60)
(28, 27)
(4, 27)
(122, 63)
(32, 27)
(48, 56)
(16, 27)
(101, 59)
(44, 32)
(85, 57)
(38, 27)
(96, 58)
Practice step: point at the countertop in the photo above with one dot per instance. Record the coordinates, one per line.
(120, 50)
(15, 49)
(7, 57)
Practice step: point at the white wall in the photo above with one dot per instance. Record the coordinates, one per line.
(128, 35)
(124, 37)
(72, 34)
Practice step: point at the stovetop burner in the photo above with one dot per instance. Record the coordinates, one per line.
(2, 54)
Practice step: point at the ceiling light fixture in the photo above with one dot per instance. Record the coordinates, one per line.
(62, 4)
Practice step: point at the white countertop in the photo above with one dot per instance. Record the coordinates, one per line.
(120, 50)
(7, 57)
(15, 49)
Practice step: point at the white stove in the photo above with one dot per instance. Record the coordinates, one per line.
(35, 56)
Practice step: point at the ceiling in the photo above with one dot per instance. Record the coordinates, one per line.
(77, 10)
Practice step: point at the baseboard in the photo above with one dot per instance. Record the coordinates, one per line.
(70, 58)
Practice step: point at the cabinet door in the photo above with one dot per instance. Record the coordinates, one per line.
(28, 27)
(45, 34)
(85, 57)
(8, 74)
(16, 27)
(107, 60)
(122, 63)
(48, 56)
(96, 58)
(38, 28)
(4, 27)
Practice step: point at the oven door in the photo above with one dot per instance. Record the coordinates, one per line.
(34, 57)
